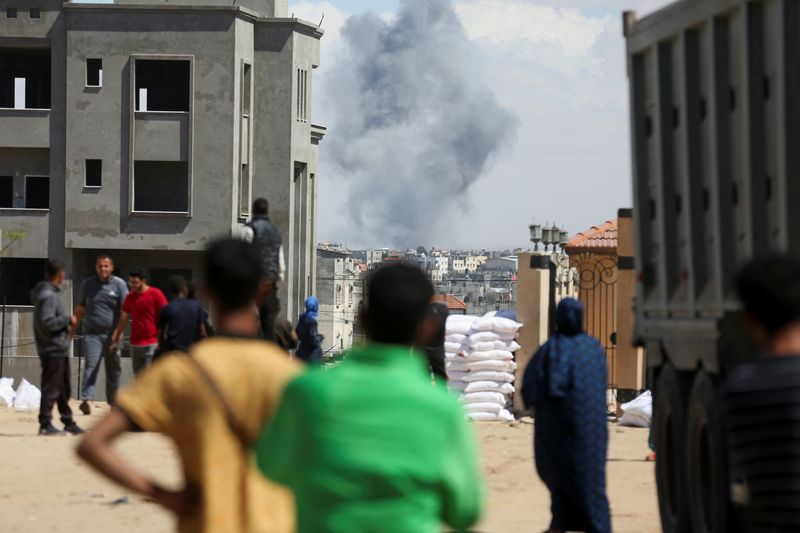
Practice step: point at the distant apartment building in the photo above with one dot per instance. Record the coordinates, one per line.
(145, 128)
(458, 264)
(438, 263)
(339, 291)
(375, 257)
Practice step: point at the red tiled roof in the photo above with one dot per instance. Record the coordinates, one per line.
(452, 303)
(600, 239)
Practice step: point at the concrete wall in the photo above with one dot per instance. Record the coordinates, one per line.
(630, 366)
(100, 126)
(25, 128)
(25, 27)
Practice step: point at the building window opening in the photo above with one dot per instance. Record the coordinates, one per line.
(244, 192)
(6, 191)
(24, 78)
(37, 192)
(17, 277)
(302, 95)
(11, 12)
(35, 13)
(93, 175)
(94, 72)
(162, 85)
(161, 186)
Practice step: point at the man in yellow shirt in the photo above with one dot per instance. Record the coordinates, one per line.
(212, 402)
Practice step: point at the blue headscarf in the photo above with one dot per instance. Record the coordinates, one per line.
(312, 307)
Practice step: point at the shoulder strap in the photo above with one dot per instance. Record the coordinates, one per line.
(233, 423)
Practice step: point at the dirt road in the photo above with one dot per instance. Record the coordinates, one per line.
(44, 486)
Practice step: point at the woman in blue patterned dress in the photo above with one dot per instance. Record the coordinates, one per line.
(565, 383)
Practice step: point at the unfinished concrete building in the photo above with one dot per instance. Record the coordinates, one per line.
(145, 128)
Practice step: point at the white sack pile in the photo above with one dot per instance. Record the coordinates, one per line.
(637, 412)
(480, 363)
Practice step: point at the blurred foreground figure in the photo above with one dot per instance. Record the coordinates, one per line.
(310, 349)
(371, 444)
(762, 400)
(565, 383)
(212, 403)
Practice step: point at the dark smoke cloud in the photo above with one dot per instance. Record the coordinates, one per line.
(413, 125)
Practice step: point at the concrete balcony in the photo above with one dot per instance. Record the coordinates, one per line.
(24, 128)
(24, 232)
(161, 136)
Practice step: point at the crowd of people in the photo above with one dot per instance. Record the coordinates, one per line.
(376, 443)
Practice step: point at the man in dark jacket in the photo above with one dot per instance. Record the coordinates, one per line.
(267, 239)
(52, 324)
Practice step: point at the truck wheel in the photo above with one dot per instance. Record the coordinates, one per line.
(669, 432)
(706, 466)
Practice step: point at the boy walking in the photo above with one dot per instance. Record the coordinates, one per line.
(372, 444)
(51, 328)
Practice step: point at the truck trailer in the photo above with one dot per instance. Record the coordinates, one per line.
(715, 131)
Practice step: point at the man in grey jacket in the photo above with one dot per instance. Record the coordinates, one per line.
(51, 325)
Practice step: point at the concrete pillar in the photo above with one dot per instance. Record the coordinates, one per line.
(533, 310)
(630, 365)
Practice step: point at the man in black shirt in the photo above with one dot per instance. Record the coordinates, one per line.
(182, 322)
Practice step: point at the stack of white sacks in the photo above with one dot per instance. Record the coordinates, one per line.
(480, 363)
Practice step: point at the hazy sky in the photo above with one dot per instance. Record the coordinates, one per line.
(558, 67)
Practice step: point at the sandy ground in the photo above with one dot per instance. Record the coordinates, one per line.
(44, 487)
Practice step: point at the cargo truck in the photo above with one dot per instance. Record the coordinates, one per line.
(715, 130)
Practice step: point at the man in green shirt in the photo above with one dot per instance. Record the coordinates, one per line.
(373, 444)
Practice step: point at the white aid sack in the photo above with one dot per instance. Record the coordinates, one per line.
(457, 376)
(491, 354)
(511, 346)
(455, 337)
(507, 336)
(458, 386)
(457, 366)
(501, 416)
(483, 407)
(487, 375)
(483, 336)
(27, 397)
(7, 392)
(486, 346)
(489, 386)
(492, 364)
(453, 347)
(459, 324)
(483, 397)
(638, 412)
(496, 324)
(452, 355)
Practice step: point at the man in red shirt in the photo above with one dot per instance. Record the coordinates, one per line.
(143, 306)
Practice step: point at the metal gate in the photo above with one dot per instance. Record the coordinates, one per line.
(596, 281)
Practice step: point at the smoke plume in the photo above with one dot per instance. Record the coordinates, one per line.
(414, 127)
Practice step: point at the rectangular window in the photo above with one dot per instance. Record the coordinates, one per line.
(17, 278)
(302, 95)
(161, 186)
(162, 85)
(25, 78)
(11, 12)
(246, 89)
(244, 191)
(37, 192)
(94, 72)
(19, 93)
(6, 191)
(35, 13)
(93, 175)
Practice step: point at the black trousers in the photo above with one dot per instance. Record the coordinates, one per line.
(55, 389)
(269, 310)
